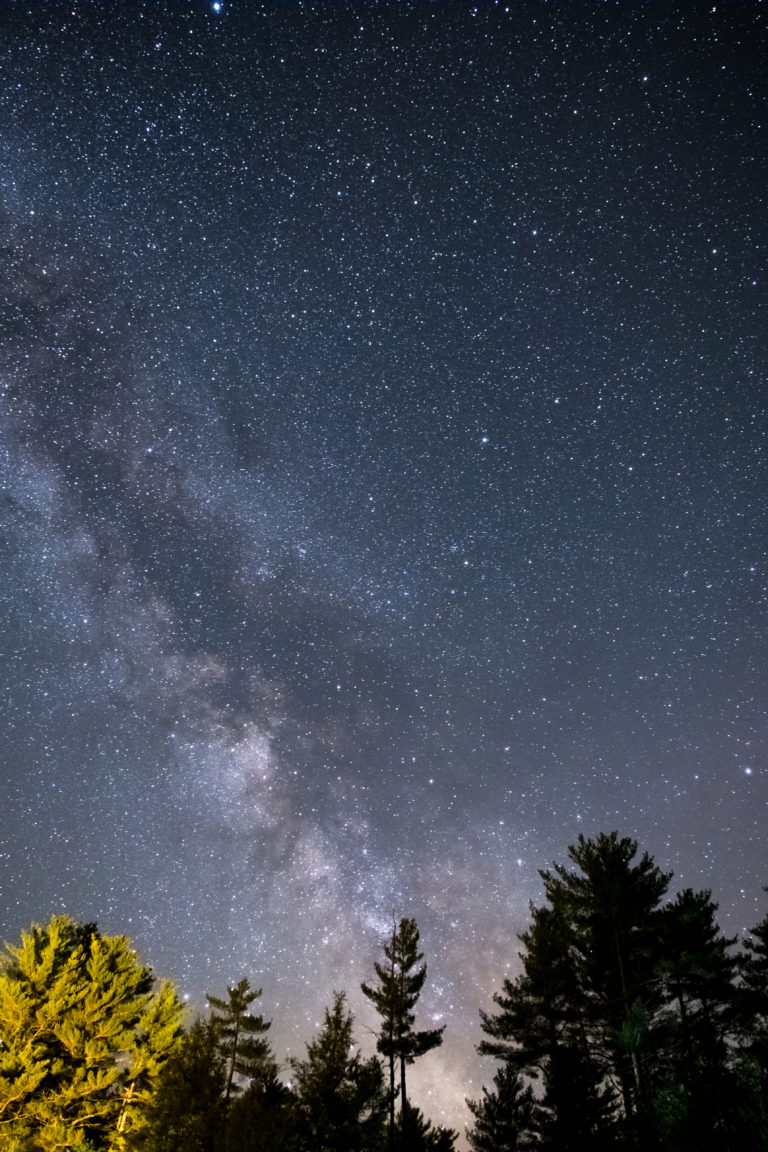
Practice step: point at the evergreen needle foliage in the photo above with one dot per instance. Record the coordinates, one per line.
(625, 1019)
(239, 1033)
(507, 1118)
(401, 979)
(634, 1025)
(341, 1100)
(83, 1039)
(187, 1111)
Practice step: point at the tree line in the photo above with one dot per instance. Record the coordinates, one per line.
(96, 1055)
(634, 1024)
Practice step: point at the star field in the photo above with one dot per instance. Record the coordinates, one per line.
(384, 433)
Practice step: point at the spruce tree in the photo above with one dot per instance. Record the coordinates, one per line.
(420, 1135)
(506, 1119)
(341, 1099)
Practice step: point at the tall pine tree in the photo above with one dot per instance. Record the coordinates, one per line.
(578, 1016)
(611, 905)
(401, 979)
(240, 1036)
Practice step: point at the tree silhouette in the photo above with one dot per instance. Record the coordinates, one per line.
(506, 1119)
(341, 1100)
(401, 980)
(421, 1135)
(240, 1036)
(578, 1016)
(187, 1111)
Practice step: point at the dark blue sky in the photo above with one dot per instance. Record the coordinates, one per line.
(384, 432)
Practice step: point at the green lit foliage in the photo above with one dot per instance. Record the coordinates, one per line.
(84, 1037)
(156, 1038)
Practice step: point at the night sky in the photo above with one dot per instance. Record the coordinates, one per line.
(384, 438)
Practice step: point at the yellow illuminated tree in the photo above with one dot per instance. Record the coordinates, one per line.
(83, 1036)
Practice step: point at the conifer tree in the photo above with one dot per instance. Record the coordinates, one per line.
(628, 1014)
(752, 1024)
(611, 905)
(341, 1100)
(401, 980)
(240, 1035)
(507, 1119)
(753, 999)
(581, 1015)
(262, 1119)
(420, 1135)
(385, 1000)
(157, 1037)
(187, 1110)
(542, 1030)
(82, 1038)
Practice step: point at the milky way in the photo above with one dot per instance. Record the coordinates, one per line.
(384, 424)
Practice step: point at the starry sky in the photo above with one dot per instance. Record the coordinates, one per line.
(384, 433)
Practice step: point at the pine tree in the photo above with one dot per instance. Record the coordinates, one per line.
(752, 1025)
(401, 980)
(341, 1100)
(612, 907)
(157, 1037)
(240, 1034)
(542, 1030)
(753, 997)
(581, 1015)
(747, 1091)
(82, 1038)
(385, 1000)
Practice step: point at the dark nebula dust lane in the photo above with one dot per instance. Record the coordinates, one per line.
(383, 436)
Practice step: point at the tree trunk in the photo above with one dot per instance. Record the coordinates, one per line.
(391, 1099)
